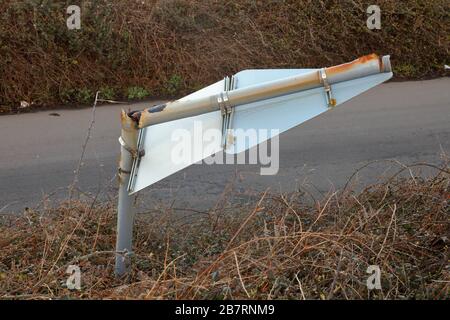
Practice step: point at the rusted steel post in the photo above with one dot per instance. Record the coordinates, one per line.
(125, 212)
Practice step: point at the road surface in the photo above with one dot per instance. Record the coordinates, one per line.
(408, 121)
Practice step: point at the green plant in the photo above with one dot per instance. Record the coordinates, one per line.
(137, 93)
(107, 93)
(405, 70)
(67, 95)
(84, 96)
(174, 84)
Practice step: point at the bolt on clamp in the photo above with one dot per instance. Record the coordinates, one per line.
(329, 94)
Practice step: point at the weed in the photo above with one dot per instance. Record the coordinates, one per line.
(173, 85)
(84, 96)
(107, 93)
(137, 93)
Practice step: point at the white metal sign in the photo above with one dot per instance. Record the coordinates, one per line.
(281, 113)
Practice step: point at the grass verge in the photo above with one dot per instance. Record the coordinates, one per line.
(278, 247)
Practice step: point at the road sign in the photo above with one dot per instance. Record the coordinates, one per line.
(276, 111)
(217, 117)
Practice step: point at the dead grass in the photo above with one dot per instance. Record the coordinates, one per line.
(278, 247)
(171, 47)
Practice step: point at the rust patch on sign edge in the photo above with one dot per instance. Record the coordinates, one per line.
(350, 65)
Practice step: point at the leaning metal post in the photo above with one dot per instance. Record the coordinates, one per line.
(125, 212)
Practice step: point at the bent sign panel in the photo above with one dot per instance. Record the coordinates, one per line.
(172, 146)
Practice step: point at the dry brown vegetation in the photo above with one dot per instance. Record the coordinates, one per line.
(277, 247)
(132, 49)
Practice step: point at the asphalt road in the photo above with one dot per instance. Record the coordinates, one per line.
(408, 122)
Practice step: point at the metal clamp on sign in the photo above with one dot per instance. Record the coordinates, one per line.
(323, 78)
(138, 154)
(134, 153)
(222, 100)
(227, 111)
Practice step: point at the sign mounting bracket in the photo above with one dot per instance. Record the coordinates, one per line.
(227, 111)
(140, 152)
(329, 94)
